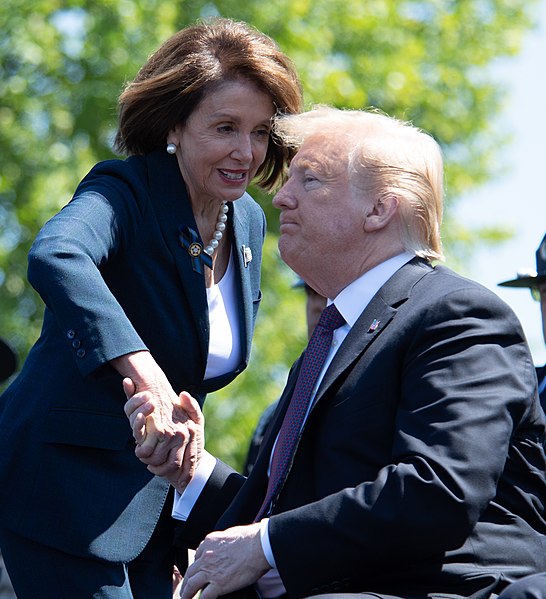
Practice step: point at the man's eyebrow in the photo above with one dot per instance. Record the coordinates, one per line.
(306, 163)
(326, 169)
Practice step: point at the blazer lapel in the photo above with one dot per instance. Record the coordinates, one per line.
(242, 251)
(172, 206)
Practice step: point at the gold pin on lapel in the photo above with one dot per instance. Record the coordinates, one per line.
(247, 255)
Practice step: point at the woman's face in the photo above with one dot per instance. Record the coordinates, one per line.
(224, 142)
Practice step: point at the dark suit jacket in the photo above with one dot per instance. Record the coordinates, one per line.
(420, 469)
(114, 279)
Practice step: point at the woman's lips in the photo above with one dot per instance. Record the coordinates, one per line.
(236, 176)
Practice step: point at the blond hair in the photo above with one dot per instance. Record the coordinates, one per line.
(385, 157)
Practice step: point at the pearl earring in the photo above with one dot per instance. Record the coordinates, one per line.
(171, 149)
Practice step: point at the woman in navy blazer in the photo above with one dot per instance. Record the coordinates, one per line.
(151, 272)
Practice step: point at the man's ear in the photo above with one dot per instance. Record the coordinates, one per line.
(383, 211)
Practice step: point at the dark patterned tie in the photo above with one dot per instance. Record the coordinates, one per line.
(313, 361)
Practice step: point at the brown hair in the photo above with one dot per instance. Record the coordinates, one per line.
(170, 85)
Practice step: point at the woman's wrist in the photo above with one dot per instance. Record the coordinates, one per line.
(136, 366)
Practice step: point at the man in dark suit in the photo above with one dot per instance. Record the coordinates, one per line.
(536, 282)
(419, 467)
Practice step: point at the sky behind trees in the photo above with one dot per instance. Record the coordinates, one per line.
(518, 199)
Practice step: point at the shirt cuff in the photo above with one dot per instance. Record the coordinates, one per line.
(184, 502)
(266, 545)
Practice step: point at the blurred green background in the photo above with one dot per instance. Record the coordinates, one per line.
(63, 65)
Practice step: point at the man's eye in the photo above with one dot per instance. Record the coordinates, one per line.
(262, 133)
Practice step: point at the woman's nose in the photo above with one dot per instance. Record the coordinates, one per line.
(243, 148)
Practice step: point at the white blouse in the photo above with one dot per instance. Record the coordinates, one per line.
(224, 341)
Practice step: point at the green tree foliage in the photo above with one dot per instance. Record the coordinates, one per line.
(63, 64)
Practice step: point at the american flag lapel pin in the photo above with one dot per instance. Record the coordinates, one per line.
(374, 325)
(247, 255)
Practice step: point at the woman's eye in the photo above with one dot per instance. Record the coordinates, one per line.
(225, 128)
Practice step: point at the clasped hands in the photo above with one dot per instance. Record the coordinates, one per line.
(168, 430)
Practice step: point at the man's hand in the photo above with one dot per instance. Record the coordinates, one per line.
(226, 561)
(163, 428)
(170, 444)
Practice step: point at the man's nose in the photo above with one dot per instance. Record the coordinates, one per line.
(279, 197)
(285, 196)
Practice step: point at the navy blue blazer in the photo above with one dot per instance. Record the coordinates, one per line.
(114, 279)
(421, 469)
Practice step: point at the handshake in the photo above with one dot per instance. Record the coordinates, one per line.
(169, 433)
(168, 430)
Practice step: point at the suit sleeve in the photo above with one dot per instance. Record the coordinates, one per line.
(465, 383)
(66, 263)
(218, 493)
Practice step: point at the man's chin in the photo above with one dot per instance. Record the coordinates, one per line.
(290, 255)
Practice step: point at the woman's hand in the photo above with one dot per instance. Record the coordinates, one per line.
(168, 429)
(183, 458)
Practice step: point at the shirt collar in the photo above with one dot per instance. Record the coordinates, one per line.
(353, 299)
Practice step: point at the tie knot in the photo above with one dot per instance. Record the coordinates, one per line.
(330, 318)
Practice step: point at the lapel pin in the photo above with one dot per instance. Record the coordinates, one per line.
(189, 240)
(247, 255)
(374, 325)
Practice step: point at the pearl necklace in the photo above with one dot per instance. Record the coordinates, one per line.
(219, 230)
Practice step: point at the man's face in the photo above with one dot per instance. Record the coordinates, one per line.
(321, 215)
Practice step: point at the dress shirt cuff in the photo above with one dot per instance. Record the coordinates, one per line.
(184, 502)
(266, 545)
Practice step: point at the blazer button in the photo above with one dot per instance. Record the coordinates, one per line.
(70, 334)
(81, 353)
(76, 343)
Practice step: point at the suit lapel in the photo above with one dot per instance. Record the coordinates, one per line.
(372, 322)
(375, 318)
